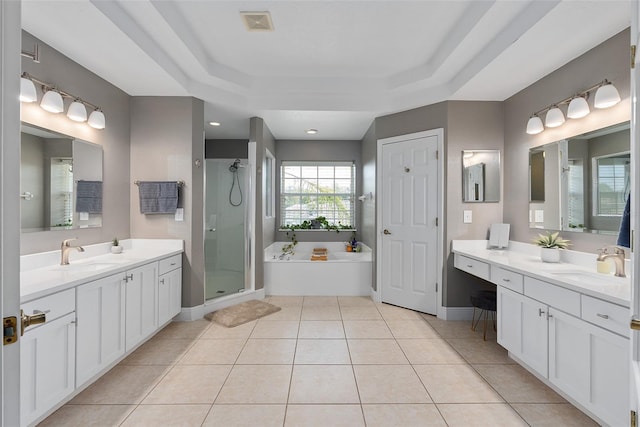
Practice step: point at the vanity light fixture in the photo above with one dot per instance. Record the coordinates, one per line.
(311, 131)
(534, 125)
(27, 89)
(53, 101)
(554, 117)
(578, 108)
(77, 111)
(606, 95)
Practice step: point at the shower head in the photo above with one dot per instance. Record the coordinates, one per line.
(234, 167)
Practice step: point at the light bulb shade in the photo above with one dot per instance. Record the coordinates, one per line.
(27, 90)
(96, 119)
(52, 102)
(534, 125)
(606, 96)
(554, 118)
(578, 108)
(77, 112)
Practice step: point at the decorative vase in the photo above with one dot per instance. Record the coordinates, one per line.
(116, 249)
(550, 254)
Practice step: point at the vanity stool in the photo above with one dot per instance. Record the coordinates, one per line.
(485, 301)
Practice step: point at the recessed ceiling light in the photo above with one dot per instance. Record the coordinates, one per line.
(214, 123)
(311, 131)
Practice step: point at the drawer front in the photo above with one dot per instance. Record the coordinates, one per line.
(472, 266)
(169, 264)
(508, 279)
(555, 296)
(56, 305)
(605, 314)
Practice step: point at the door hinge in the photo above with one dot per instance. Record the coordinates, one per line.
(436, 221)
(437, 154)
(633, 56)
(10, 330)
(634, 419)
(436, 287)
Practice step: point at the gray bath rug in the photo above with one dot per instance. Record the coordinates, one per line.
(241, 313)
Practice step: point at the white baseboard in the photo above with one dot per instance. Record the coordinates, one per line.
(188, 314)
(456, 313)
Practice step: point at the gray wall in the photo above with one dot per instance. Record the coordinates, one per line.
(69, 76)
(167, 136)
(367, 219)
(319, 151)
(264, 227)
(467, 125)
(609, 60)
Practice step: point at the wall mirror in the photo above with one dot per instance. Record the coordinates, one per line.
(60, 181)
(581, 183)
(480, 176)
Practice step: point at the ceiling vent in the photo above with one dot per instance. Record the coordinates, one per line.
(257, 21)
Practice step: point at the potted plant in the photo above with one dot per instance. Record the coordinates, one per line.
(289, 248)
(550, 245)
(115, 247)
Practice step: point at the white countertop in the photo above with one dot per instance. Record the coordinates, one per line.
(576, 271)
(41, 274)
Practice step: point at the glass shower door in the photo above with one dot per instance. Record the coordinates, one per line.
(225, 250)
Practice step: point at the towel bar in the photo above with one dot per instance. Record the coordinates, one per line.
(180, 183)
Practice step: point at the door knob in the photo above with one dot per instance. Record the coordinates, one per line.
(386, 231)
(635, 324)
(34, 319)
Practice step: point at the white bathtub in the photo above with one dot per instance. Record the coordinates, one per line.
(344, 273)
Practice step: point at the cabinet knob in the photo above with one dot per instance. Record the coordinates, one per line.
(469, 266)
(604, 316)
(128, 277)
(162, 281)
(541, 312)
(506, 280)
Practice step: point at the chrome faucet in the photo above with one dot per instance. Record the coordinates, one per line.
(65, 247)
(617, 255)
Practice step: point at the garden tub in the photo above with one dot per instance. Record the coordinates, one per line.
(344, 273)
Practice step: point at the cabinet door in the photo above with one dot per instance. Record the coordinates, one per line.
(522, 328)
(569, 354)
(100, 310)
(141, 303)
(47, 362)
(169, 295)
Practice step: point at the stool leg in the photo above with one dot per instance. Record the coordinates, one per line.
(484, 329)
(474, 322)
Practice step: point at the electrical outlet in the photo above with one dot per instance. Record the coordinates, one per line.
(467, 217)
(539, 215)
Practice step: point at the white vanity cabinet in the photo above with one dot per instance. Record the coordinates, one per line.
(101, 325)
(522, 328)
(577, 342)
(47, 355)
(169, 288)
(141, 302)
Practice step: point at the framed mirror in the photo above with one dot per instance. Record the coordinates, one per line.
(581, 183)
(480, 176)
(60, 181)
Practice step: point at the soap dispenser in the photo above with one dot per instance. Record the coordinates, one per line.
(602, 266)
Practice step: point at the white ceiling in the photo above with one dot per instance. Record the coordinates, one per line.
(328, 65)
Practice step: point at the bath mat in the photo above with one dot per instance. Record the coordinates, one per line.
(242, 313)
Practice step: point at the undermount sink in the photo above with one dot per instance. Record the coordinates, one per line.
(588, 277)
(82, 267)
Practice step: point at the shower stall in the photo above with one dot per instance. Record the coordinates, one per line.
(227, 241)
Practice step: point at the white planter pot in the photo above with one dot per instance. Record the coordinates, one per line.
(550, 254)
(116, 249)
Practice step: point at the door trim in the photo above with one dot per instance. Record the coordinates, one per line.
(439, 133)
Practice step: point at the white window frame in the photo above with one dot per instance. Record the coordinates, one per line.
(269, 184)
(596, 182)
(351, 195)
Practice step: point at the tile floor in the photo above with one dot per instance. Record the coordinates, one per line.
(320, 361)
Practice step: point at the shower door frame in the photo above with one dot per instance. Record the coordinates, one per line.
(249, 226)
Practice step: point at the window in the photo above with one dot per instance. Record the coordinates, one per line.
(612, 184)
(312, 189)
(61, 192)
(575, 200)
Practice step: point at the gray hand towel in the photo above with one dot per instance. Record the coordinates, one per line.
(89, 196)
(158, 197)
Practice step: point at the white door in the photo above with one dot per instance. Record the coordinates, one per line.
(635, 210)
(10, 42)
(409, 203)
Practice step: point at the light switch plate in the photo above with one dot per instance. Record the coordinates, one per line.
(180, 214)
(467, 217)
(539, 215)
